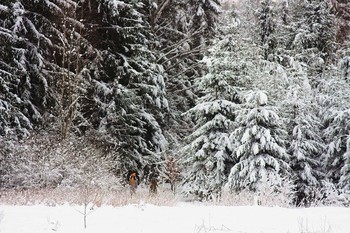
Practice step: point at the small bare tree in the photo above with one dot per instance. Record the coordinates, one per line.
(90, 198)
(172, 171)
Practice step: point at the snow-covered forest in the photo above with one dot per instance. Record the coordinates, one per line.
(207, 95)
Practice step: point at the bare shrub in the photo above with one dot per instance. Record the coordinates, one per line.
(172, 171)
(267, 195)
(45, 161)
(229, 198)
(330, 195)
(88, 196)
(306, 227)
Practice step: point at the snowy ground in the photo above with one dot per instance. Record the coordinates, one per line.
(181, 218)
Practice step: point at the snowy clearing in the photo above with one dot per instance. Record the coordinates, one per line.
(181, 218)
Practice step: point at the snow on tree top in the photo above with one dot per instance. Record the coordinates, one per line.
(261, 98)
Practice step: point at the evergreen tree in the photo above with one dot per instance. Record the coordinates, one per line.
(178, 44)
(341, 9)
(305, 147)
(267, 22)
(51, 54)
(344, 61)
(336, 134)
(344, 180)
(204, 18)
(260, 147)
(208, 154)
(8, 112)
(313, 40)
(25, 86)
(334, 105)
(300, 110)
(129, 90)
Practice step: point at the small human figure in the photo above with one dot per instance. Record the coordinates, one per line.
(153, 187)
(133, 182)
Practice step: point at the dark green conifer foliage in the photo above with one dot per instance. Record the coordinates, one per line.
(128, 92)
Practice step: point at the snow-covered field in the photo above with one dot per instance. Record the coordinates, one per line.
(180, 218)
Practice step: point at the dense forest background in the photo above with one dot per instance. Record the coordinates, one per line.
(216, 94)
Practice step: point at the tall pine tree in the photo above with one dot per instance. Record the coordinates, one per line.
(208, 155)
(127, 99)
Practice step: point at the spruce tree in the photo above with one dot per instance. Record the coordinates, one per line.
(8, 65)
(204, 17)
(305, 147)
(313, 40)
(334, 105)
(267, 28)
(128, 95)
(208, 154)
(335, 134)
(26, 79)
(181, 35)
(342, 17)
(260, 147)
(344, 61)
(304, 142)
(344, 180)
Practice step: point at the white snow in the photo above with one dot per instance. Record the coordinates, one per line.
(3, 8)
(181, 218)
(261, 98)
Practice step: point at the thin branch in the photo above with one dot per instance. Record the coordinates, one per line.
(160, 11)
